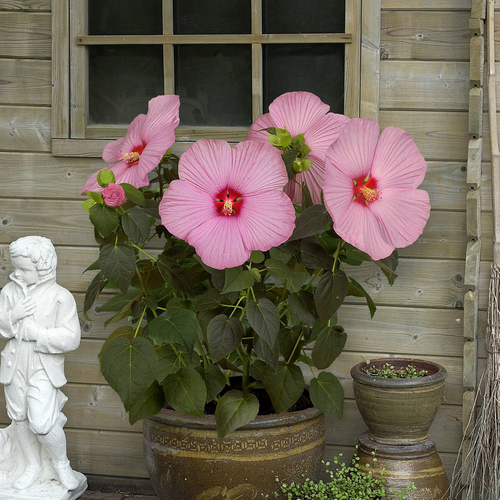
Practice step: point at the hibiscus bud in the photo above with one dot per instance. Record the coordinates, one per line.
(105, 177)
(255, 273)
(281, 140)
(113, 195)
(301, 165)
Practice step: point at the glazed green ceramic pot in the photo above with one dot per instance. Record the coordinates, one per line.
(187, 462)
(399, 411)
(400, 466)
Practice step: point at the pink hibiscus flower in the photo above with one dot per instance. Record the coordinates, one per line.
(303, 113)
(229, 202)
(371, 188)
(147, 140)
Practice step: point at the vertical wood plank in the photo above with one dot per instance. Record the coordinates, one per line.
(474, 213)
(60, 69)
(471, 314)
(470, 364)
(472, 261)
(370, 59)
(474, 160)
(476, 112)
(477, 61)
(353, 58)
(257, 70)
(78, 70)
(168, 48)
(478, 10)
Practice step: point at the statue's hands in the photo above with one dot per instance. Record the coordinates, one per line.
(25, 307)
(31, 332)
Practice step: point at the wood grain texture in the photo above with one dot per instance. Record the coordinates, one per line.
(26, 5)
(476, 112)
(474, 225)
(427, 5)
(25, 81)
(25, 128)
(353, 59)
(25, 35)
(471, 314)
(470, 364)
(474, 161)
(472, 264)
(477, 61)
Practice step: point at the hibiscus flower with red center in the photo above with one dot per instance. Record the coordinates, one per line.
(229, 201)
(303, 113)
(148, 138)
(371, 188)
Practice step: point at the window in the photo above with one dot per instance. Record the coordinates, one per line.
(227, 59)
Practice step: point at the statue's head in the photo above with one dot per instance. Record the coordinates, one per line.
(33, 257)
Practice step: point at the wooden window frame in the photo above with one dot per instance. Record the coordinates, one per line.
(72, 136)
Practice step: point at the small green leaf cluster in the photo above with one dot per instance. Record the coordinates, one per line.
(186, 329)
(347, 482)
(390, 371)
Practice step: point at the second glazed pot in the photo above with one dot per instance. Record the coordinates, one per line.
(399, 411)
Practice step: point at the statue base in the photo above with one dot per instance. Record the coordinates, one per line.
(46, 490)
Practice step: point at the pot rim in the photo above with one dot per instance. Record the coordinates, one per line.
(435, 378)
(174, 418)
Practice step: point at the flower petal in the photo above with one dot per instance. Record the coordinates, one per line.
(130, 175)
(155, 149)
(133, 139)
(266, 220)
(113, 151)
(184, 207)
(254, 134)
(297, 111)
(403, 214)
(207, 164)
(219, 243)
(92, 184)
(312, 178)
(256, 167)
(353, 151)
(162, 111)
(324, 132)
(397, 162)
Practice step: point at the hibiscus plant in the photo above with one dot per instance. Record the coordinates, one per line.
(230, 263)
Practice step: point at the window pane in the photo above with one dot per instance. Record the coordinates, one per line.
(125, 17)
(215, 84)
(317, 68)
(205, 17)
(122, 79)
(297, 16)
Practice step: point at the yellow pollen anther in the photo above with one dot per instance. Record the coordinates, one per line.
(369, 194)
(227, 209)
(131, 157)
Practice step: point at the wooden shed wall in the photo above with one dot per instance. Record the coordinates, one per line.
(424, 84)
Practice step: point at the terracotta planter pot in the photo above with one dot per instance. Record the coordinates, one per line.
(399, 411)
(418, 464)
(186, 462)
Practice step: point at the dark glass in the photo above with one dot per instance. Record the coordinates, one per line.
(206, 17)
(122, 79)
(300, 16)
(317, 68)
(214, 83)
(125, 17)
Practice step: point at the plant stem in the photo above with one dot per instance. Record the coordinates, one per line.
(145, 253)
(295, 347)
(337, 253)
(202, 352)
(237, 306)
(140, 321)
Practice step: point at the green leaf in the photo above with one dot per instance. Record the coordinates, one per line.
(186, 392)
(302, 305)
(93, 291)
(214, 379)
(208, 301)
(96, 197)
(389, 266)
(133, 194)
(150, 402)
(257, 257)
(311, 221)
(178, 326)
(329, 344)
(136, 225)
(289, 158)
(278, 269)
(278, 254)
(173, 274)
(330, 294)
(93, 267)
(118, 264)
(267, 353)
(123, 331)
(88, 204)
(223, 336)
(285, 386)
(234, 410)
(129, 366)
(105, 219)
(327, 394)
(171, 360)
(118, 302)
(288, 340)
(313, 255)
(236, 280)
(306, 197)
(356, 290)
(264, 318)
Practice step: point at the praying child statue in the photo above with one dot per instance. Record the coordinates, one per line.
(39, 319)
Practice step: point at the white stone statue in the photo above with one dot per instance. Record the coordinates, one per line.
(40, 321)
